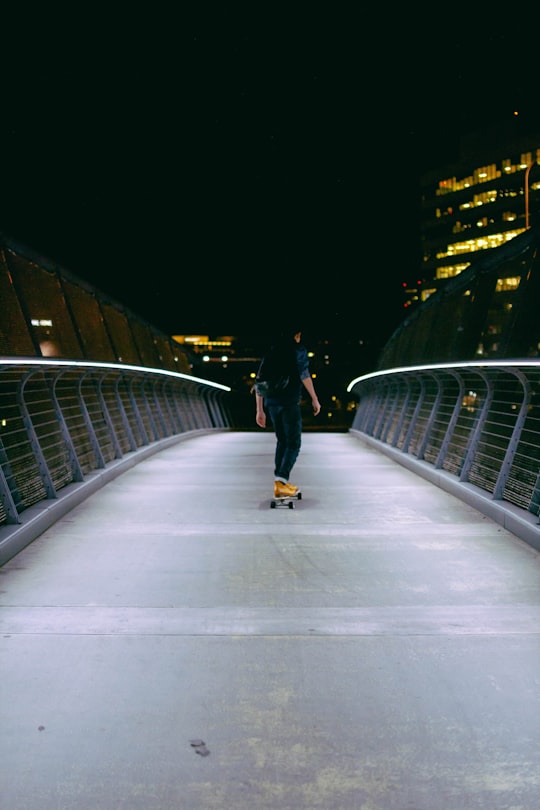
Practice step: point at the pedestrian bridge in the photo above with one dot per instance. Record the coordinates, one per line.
(169, 641)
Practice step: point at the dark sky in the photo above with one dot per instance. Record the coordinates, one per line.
(207, 166)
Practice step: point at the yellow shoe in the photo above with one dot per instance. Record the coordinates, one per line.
(282, 490)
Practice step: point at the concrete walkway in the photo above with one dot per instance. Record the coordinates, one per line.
(175, 644)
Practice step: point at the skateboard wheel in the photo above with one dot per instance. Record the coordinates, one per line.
(272, 504)
(290, 505)
(299, 496)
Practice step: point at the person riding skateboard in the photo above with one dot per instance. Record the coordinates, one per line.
(289, 357)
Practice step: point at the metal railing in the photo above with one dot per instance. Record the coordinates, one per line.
(65, 424)
(472, 427)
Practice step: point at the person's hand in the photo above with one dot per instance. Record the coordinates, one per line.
(316, 406)
(261, 419)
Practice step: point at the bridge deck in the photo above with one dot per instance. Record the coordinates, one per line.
(175, 643)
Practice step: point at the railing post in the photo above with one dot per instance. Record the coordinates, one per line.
(414, 418)
(506, 465)
(429, 426)
(100, 461)
(8, 503)
(475, 436)
(439, 461)
(37, 452)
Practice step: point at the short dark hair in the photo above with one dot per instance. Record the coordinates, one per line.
(290, 330)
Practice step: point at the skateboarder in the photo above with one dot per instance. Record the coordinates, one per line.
(290, 358)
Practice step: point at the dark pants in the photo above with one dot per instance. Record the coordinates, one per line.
(287, 422)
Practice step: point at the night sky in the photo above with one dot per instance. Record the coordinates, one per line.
(209, 167)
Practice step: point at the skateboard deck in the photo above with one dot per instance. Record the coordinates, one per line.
(286, 500)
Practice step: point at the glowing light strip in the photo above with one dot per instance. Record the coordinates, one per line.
(438, 366)
(8, 361)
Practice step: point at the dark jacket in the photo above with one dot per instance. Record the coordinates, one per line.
(289, 359)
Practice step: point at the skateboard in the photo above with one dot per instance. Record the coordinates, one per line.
(285, 500)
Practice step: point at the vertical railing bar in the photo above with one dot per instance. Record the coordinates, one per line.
(138, 418)
(177, 395)
(35, 446)
(506, 465)
(159, 410)
(392, 408)
(121, 409)
(417, 409)
(474, 438)
(404, 409)
(107, 416)
(443, 450)
(76, 469)
(100, 461)
(7, 484)
(431, 418)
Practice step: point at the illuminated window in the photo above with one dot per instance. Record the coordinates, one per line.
(485, 174)
(451, 270)
(507, 284)
(482, 243)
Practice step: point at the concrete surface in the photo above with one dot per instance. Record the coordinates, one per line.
(173, 642)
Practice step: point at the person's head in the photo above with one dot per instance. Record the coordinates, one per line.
(292, 331)
(288, 332)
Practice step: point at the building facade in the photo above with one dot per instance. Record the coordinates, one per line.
(489, 311)
(480, 202)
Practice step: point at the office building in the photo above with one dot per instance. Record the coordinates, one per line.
(490, 195)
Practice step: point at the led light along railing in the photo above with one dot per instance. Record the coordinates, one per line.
(441, 366)
(59, 446)
(484, 449)
(23, 361)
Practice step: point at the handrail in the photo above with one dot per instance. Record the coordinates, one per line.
(473, 428)
(68, 425)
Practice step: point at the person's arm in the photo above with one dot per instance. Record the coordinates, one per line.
(260, 416)
(307, 382)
